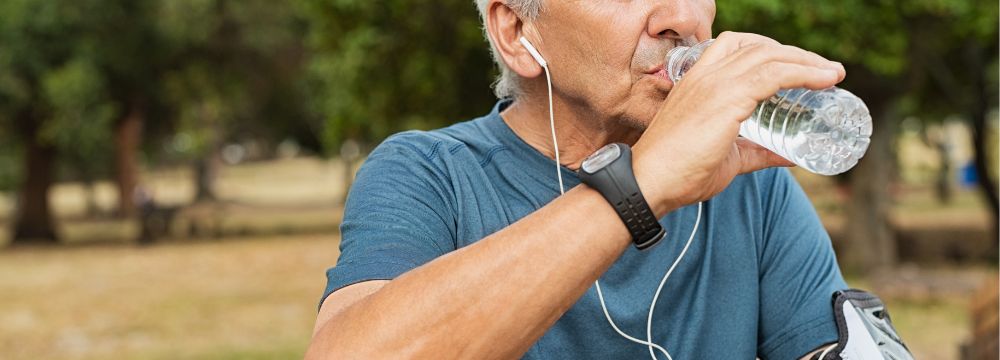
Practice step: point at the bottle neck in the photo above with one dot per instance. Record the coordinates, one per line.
(680, 59)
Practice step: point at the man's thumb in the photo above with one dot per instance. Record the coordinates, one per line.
(754, 157)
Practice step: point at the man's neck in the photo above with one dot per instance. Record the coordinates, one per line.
(579, 134)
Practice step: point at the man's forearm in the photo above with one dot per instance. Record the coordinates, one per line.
(492, 299)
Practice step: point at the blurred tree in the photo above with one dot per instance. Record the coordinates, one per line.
(82, 115)
(10, 173)
(49, 95)
(132, 56)
(77, 74)
(237, 77)
(957, 75)
(892, 50)
(80, 80)
(379, 67)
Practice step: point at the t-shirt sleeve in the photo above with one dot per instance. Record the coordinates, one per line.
(397, 216)
(798, 273)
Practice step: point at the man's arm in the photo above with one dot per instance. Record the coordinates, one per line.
(349, 295)
(343, 298)
(492, 299)
(496, 297)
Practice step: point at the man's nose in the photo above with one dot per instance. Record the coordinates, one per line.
(676, 20)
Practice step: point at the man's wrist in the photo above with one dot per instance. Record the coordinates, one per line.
(658, 198)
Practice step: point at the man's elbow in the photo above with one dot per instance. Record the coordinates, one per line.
(330, 343)
(321, 346)
(328, 333)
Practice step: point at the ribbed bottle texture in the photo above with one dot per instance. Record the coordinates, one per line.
(824, 131)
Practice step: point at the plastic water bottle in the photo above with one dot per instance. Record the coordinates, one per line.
(823, 131)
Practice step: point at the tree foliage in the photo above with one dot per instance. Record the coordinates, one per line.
(79, 80)
(905, 44)
(50, 80)
(379, 67)
(205, 72)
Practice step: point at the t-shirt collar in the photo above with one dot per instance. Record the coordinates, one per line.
(538, 161)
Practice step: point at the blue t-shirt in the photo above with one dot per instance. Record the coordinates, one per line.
(757, 280)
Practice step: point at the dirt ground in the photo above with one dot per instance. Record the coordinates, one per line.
(213, 300)
(256, 299)
(240, 279)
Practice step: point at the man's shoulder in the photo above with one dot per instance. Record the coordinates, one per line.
(760, 183)
(762, 194)
(434, 145)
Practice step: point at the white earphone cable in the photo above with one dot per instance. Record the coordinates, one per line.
(827, 351)
(656, 295)
(597, 284)
(552, 125)
(607, 315)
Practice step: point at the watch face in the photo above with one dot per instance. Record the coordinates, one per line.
(601, 158)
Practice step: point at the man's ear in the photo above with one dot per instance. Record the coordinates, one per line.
(505, 28)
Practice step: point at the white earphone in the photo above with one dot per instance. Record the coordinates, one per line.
(597, 284)
(534, 53)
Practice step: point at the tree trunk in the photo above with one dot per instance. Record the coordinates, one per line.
(871, 244)
(206, 166)
(89, 185)
(128, 135)
(34, 219)
(93, 210)
(978, 108)
(942, 183)
(206, 169)
(350, 151)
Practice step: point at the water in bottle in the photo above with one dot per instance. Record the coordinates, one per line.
(824, 131)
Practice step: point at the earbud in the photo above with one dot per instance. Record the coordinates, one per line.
(534, 53)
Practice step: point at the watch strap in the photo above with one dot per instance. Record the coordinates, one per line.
(616, 183)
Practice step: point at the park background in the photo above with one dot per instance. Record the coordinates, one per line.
(172, 172)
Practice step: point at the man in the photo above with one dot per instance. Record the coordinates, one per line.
(456, 243)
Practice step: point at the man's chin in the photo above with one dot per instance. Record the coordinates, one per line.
(659, 95)
(636, 122)
(642, 115)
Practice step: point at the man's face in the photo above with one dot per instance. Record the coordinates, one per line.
(607, 56)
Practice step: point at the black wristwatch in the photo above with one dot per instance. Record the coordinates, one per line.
(609, 171)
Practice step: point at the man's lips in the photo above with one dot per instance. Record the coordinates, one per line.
(660, 74)
(663, 74)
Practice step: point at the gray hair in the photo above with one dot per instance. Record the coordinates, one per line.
(508, 83)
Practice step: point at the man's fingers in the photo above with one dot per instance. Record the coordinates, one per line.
(754, 157)
(765, 81)
(753, 49)
(729, 42)
(739, 53)
(755, 56)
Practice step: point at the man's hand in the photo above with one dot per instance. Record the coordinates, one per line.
(691, 151)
